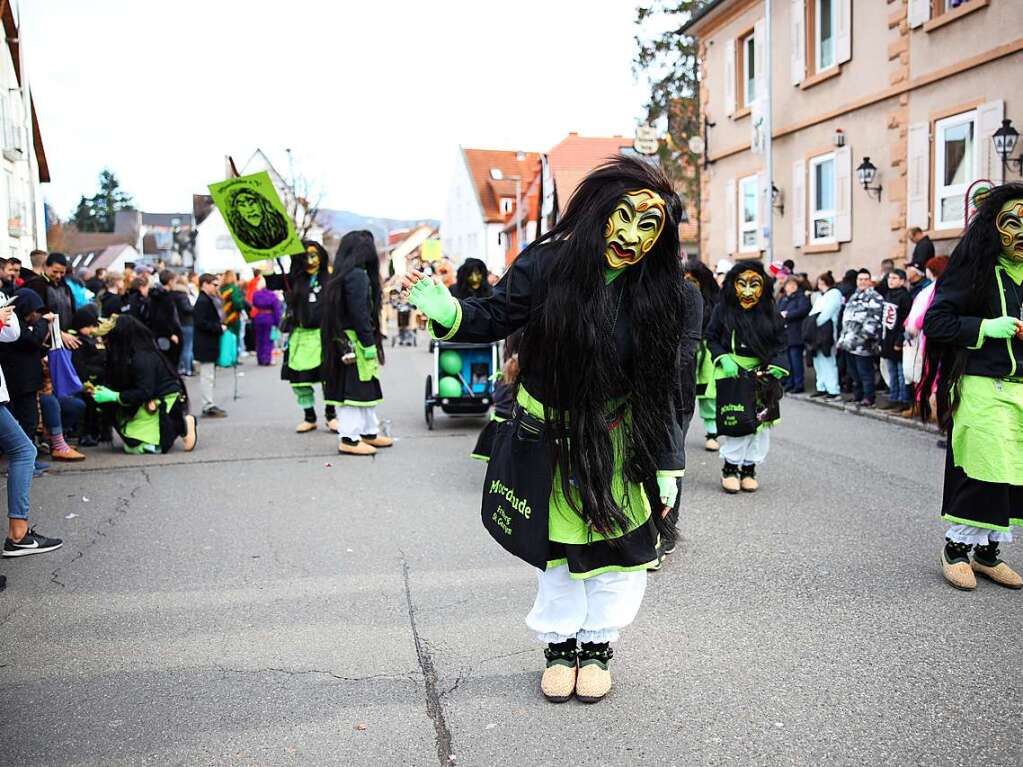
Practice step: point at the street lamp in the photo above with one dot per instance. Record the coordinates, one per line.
(1005, 139)
(866, 173)
(497, 175)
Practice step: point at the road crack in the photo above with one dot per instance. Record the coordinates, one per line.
(434, 709)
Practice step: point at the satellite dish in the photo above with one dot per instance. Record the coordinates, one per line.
(696, 145)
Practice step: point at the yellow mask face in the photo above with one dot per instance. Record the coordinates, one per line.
(749, 287)
(475, 280)
(312, 260)
(1009, 223)
(634, 227)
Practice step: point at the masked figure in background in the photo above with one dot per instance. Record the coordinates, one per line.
(700, 275)
(303, 355)
(583, 473)
(352, 354)
(975, 354)
(746, 338)
(471, 281)
(149, 399)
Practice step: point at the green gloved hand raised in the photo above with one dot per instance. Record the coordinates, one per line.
(435, 301)
(103, 395)
(728, 366)
(1000, 327)
(667, 489)
(369, 352)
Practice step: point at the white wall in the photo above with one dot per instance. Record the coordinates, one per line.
(462, 231)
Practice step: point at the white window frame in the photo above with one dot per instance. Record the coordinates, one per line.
(818, 47)
(753, 226)
(814, 214)
(941, 191)
(749, 69)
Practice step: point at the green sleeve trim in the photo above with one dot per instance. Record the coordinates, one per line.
(980, 337)
(478, 457)
(986, 525)
(454, 325)
(772, 368)
(676, 473)
(609, 569)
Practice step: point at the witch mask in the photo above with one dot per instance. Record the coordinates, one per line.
(1009, 223)
(633, 228)
(749, 288)
(312, 260)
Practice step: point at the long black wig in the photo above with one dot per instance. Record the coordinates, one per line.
(462, 289)
(758, 326)
(975, 256)
(356, 251)
(709, 288)
(569, 342)
(124, 340)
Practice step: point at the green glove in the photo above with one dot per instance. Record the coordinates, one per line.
(369, 352)
(999, 327)
(103, 395)
(435, 301)
(777, 372)
(667, 489)
(728, 366)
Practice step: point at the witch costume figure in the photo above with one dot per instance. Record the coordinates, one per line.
(746, 338)
(697, 273)
(471, 280)
(582, 474)
(303, 355)
(975, 354)
(352, 353)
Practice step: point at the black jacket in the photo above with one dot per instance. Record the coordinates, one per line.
(208, 329)
(953, 320)
(719, 341)
(897, 304)
(797, 307)
(22, 360)
(923, 252)
(111, 304)
(57, 297)
(163, 314)
(184, 306)
(692, 334)
(90, 360)
(358, 314)
(151, 378)
(137, 305)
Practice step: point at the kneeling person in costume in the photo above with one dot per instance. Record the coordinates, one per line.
(747, 340)
(587, 467)
(975, 352)
(149, 398)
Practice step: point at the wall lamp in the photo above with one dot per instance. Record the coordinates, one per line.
(866, 173)
(1005, 139)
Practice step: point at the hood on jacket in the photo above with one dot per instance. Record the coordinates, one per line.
(28, 301)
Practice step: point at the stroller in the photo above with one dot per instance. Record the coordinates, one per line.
(406, 333)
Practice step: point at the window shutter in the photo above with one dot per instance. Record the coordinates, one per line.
(797, 45)
(731, 221)
(798, 204)
(989, 119)
(760, 59)
(764, 229)
(730, 77)
(919, 12)
(918, 149)
(843, 194)
(843, 31)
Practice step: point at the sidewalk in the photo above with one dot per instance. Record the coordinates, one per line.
(889, 416)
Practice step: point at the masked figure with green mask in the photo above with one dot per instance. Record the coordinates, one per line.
(471, 280)
(583, 474)
(975, 364)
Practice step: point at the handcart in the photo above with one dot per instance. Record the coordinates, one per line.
(464, 376)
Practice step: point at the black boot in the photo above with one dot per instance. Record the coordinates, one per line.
(730, 478)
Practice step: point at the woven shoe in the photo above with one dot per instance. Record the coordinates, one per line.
(558, 681)
(986, 562)
(957, 570)
(305, 426)
(710, 444)
(189, 440)
(594, 680)
(748, 479)
(332, 425)
(730, 478)
(359, 448)
(378, 440)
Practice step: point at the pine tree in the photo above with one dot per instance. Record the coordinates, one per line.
(97, 213)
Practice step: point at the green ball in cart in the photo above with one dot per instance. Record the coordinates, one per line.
(451, 362)
(449, 387)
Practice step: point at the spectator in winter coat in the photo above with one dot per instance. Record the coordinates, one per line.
(897, 304)
(916, 280)
(209, 326)
(137, 300)
(923, 248)
(861, 337)
(163, 318)
(826, 311)
(89, 360)
(58, 299)
(794, 306)
(112, 299)
(185, 304)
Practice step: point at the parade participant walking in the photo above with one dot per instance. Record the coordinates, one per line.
(974, 350)
(351, 344)
(471, 280)
(209, 326)
(747, 338)
(594, 449)
(303, 355)
(151, 403)
(820, 338)
(698, 272)
(861, 337)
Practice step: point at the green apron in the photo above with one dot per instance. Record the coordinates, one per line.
(145, 426)
(988, 428)
(305, 352)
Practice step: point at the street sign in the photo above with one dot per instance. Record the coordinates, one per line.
(646, 140)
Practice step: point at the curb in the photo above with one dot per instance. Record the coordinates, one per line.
(877, 415)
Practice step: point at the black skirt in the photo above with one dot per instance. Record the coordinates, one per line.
(348, 390)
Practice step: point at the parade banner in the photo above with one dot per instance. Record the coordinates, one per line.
(430, 250)
(256, 217)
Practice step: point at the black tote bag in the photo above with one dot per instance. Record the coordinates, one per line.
(736, 405)
(517, 490)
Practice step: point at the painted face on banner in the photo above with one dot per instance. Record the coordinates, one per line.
(1009, 223)
(250, 209)
(749, 288)
(634, 227)
(312, 260)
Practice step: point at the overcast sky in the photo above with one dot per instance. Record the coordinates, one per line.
(373, 98)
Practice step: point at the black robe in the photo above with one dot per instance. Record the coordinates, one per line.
(343, 387)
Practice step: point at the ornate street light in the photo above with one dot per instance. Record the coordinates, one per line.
(1005, 139)
(866, 173)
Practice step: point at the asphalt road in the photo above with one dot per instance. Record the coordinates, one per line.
(264, 601)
